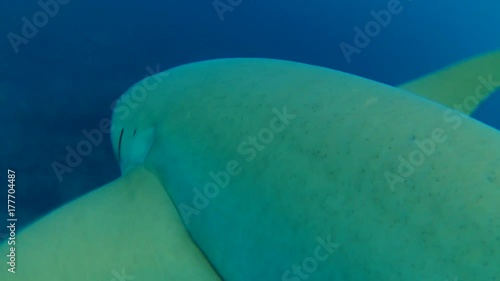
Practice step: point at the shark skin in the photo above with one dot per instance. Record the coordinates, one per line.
(407, 227)
(286, 171)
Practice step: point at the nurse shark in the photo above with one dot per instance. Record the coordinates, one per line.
(260, 169)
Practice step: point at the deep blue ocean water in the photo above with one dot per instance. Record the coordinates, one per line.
(65, 77)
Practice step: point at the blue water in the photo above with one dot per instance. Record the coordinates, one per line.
(65, 78)
(488, 111)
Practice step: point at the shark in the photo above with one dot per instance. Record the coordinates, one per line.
(262, 169)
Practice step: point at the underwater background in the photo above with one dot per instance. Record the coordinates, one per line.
(63, 64)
